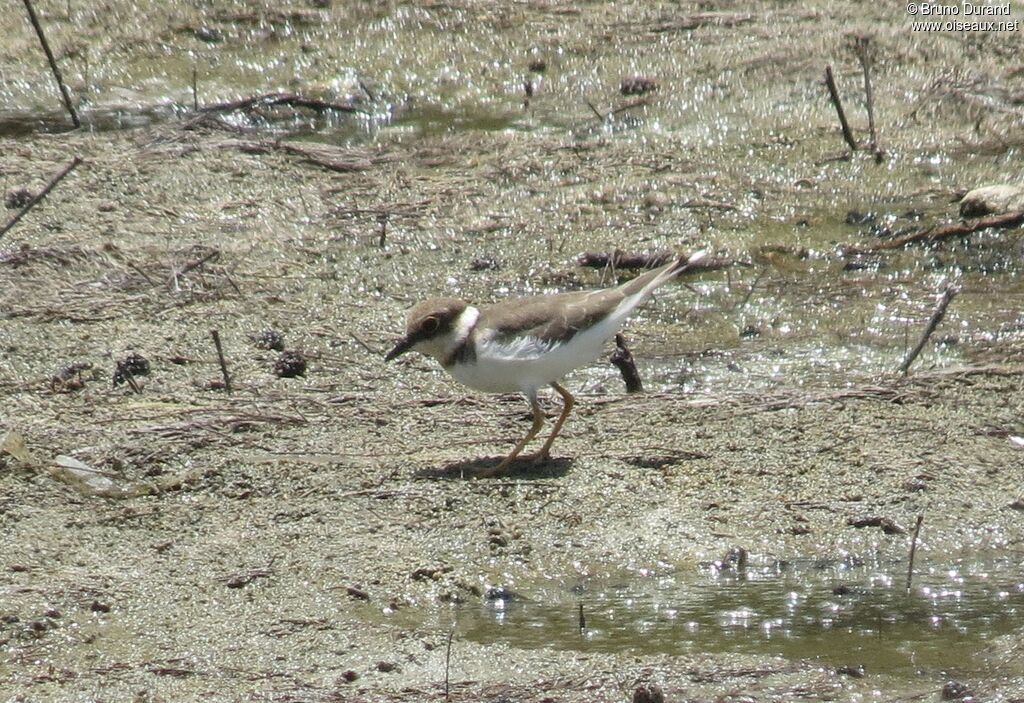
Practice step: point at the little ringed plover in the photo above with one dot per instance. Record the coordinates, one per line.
(524, 344)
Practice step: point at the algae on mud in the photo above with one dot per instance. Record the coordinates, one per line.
(336, 501)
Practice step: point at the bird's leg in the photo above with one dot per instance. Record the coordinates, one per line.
(567, 402)
(538, 422)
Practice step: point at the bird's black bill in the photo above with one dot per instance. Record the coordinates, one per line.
(402, 347)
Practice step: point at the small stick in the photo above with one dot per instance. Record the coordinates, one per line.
(913, 550)
(863, 49)
(937, 315)
(53, 63)
(382, 218)
(623, 360)
(42, 194)
(746, 298)
(597, 113)
(583, 620)
(220, 357)
(198, 262)
(366, 90)
(833, 92)
(195, 88)
(129, 378)
(937, 233)
(448, 661)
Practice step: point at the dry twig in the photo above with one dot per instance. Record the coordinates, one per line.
(833, 92)
(42, 194)
(936, 319)
(938, 232)
(53, 64)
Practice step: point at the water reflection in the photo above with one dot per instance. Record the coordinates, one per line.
(844, 615)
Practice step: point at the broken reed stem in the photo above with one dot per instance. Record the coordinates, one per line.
(366, 90)
(448, 661)
(597, 113)
(42, 194)
(195, 89)
(746, 298)
(936, 319)
(833, 92)
(622, 359)
(913, 550)
(863, 49)
(53, 63)
(220, 357)
(383, 220)
(131, 381)
(583, 621)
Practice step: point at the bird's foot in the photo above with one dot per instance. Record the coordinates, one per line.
(499, 469)
(538, 457)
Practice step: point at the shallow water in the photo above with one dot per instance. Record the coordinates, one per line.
(843, 615)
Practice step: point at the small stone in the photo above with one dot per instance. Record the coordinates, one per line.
(915, 485)
(18, 198)
(856, 672)
(657, 200)
(648, 693)
(538, 66)
(500, 593)
(855, 217)
(386, 667)
(992, 200)
(357, 593)
(348, 676)
(269, 339)
(485, 263)
(637, 85)
(52, 613)
(18, 568)
(98, 607)
(132, 365)
(955, 691)
(209, 35)
(290, 364)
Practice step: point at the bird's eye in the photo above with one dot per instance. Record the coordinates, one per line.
(430, 325)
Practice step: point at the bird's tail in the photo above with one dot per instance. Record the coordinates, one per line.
(645, 284)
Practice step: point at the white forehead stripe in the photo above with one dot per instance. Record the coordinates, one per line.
(465, 322)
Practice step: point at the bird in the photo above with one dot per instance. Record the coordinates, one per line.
(524, 344)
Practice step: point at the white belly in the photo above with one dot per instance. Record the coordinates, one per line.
(528, 364)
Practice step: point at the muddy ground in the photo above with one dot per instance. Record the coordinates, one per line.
(316, 538)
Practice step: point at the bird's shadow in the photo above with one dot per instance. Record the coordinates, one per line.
(479, 468)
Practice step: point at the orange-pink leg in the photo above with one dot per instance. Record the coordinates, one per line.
(567, 403)
(538, 422)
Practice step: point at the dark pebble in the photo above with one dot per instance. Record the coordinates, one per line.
(955, 691)
(18, 198)
(648, 694)
(290, 364)
(637, 85)
(269, 339)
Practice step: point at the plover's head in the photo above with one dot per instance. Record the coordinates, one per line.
(433, 328)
